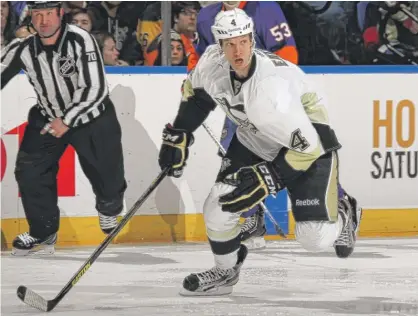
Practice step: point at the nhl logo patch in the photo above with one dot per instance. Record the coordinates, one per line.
(66, 66)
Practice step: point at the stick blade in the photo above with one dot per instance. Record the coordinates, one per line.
(280, 231)
(32, 299)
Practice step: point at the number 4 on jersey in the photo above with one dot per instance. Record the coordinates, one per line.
(297, 141)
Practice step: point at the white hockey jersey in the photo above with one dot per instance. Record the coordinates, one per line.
(273, 108)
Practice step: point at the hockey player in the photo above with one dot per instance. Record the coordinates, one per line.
(283, 140)
(272, 33)
(64, 65)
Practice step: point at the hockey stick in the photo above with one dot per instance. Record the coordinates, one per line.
(277, 227)
(35, 300)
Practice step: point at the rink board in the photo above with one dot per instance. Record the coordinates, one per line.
(376, 123)
(190, 228)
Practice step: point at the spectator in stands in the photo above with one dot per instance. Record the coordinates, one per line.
(8, 23)
(71, 7)
(83, 19)
(178, 55)
(184, 14)
(272, 30)
(120, 19)
(184, 21)
(150, 26)
(110, 53)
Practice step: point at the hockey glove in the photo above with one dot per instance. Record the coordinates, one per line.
(174, 150)
(253, 184)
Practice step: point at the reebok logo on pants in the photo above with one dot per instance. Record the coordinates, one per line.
(307, 202)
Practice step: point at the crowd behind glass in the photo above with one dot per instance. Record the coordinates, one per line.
(325, 33)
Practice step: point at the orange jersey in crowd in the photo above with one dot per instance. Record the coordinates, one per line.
(152, 56)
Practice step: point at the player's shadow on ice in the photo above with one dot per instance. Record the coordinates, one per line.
(127, 258)
(141, 168)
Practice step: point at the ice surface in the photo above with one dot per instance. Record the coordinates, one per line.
(381, 278)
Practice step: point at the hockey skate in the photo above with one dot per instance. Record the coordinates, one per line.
(25, 244)
(215, 281)
(351, 212)
(107, 223)
(253, 230)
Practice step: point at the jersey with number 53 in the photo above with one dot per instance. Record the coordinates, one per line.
(275, 107)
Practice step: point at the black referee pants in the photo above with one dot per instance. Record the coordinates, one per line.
(99, 149)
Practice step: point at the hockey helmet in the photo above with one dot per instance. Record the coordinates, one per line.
(43, 4)
(232, 23)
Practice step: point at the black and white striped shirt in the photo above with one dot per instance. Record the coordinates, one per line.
(68, 77)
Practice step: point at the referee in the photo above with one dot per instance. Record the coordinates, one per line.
(64, 65)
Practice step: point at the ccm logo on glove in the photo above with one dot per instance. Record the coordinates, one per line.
(268, 178)
(174, 150)
(170, 138)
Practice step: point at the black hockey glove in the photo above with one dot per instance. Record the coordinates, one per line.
(174, 150)
(253, 184)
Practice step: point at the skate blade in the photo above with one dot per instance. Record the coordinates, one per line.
(255, 243)
(38, 250)
(218, 291)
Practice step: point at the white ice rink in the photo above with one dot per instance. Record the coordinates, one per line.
(381, 278)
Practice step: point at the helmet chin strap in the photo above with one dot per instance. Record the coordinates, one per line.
(58, 29)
